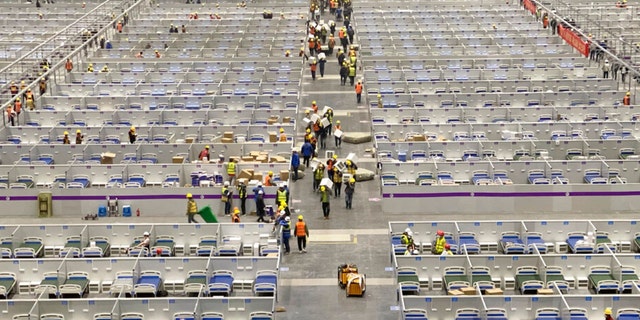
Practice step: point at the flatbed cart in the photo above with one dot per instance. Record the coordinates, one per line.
(343, 273)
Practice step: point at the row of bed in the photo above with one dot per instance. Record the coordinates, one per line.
(513, 242)
(541, 314)
(258, 315)
(528, 279)
(96, 247)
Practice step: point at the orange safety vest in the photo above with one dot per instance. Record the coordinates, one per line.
(267, 181)
(358, 88)
(314, 67)
(338, 127)
(119, 26)
(301, 229)
(283, 137)
(332, 42)
(315, 108)
(68, 65)
(341, 34)
(29, 96)
(626, 100)
(17, 106)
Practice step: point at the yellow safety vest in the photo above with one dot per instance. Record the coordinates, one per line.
(192, 207)
(282, 196)
(231, 168)
(440, 242)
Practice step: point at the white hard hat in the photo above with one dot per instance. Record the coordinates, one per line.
(226, 183)
(259, 183)
(146, 233)
(260, 192)
(287, 219)
(407, 230)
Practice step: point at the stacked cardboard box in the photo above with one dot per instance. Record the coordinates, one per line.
(284, 175)
(273, 137)
(493, 292)
(468, 291)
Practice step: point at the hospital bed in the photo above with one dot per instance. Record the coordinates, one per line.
(537, 177)
(31, 247)
(148, 284)
(51, 316)
(269, 249)
(229, 249)
(557, 177)
(601, 280)
(496, 314)
(415, 314)
(481, 177)
(534, 240)
(72, 247)
(185, 315)
(628, 314)
(132, 316)
(7, 284)
(164, 246)
(578, 314)
(98, 247)
(221, 283)
(577, 244)
(212, 316)
(510, 243)
(261, 315)
(548, 314)
(481, 278)
(455, 277)
(603, 241)
(206, 246)
(528, 280)
(6, 248)
(468, 314)
(629, 278)
(407, 274)
(137, 251)
(75, 286)
(49, 285)
(79, 181)
(266, 283)
(123, 283)
(555, 277)
(451, 241)
(593, 176)
(195, 283)
(467, 243)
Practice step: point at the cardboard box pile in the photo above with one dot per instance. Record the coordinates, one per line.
(468, 291)
(177, 159)
(227, 137)
(107, 158)
(493, 292)
(455, 293)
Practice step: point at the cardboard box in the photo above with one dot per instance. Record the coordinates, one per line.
(272, 121)
(246, 174)
(493, 292)
(419, 137)
(455, 293)
(247, 158)
(327, 183)
(226, 140)
(262, 159)
(325, 122)
(257, 176)
(228, 134)
(273, 137)
(177, 160)
(254, 154)
(189, 140)
(352, 157)
(468, 291)
(545, 291)
(277, 159)
(286, 120)
(107, 158)
(284, 175)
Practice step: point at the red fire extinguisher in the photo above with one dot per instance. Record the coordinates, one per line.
(138, 212)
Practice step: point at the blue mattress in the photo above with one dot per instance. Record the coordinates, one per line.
(571, 241)
(150, 279)
(225, 279)
(537, 242)
(266, 279)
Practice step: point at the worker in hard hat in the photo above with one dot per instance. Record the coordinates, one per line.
(65, 139)
(337, 134)
(627, 99)
(242, 194)
(349, 190)
(351, 167)
(607, 314)
(447, 250)
(192, 209)
(407, 237)
(336, 178)
(132, 135)
(438, 244)
(318, 174)
(145, 242)
(283, 136)
(225, 197)
(268, 180)
(79, 137)
(286, 233)
(90, 67)
(232, 169)
(302, 232)
(324, 199)
(295, 164)
(204, 154)
(236, 215)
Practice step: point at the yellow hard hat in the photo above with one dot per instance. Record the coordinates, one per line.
(270, 173)
(308, 130)
(66, 133)
(300, 217)
(288, 52)
(17, 99)
(307, 111)
(348, 162)
(607, 311)
(335, 156)
(236, 210)
(281, 130)
(322, 188)
(78, 131)
(90, 64)
(313, 102)
(628, 93)
(352, 180)
(206, 147)
(189, 195)
(379, 95)
(338, 121)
